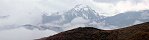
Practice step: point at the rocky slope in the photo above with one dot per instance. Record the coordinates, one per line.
(136, 32)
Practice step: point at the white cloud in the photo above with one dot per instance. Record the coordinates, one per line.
(57, 5)
(108, 1)
(110, 9)
(116, 1)
(29, 11)
(20, 12)
(24, 34)
(79, 20)
(127, 6)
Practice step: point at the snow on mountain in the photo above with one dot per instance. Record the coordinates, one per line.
(79, 20)
(128, 18)
(78, 11)
(83, 15)
(79, 15)
(29, 17)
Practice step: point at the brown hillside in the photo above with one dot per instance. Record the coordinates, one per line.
(136, 32)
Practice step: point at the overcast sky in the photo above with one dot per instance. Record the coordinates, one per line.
(112, 7)
(17, 12)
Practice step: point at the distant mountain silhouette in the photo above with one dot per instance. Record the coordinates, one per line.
(136, 32)
(128, 18)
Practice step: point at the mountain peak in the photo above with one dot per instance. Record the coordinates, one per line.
(80, 6)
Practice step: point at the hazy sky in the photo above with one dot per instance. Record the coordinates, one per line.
(112, 7)
(116, 1)
(18, 12)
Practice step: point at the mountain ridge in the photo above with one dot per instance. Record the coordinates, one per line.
(136, 32)
(79, 15)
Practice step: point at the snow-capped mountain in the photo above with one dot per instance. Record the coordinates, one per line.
(83, 15)
(80, 15)
(82, 11)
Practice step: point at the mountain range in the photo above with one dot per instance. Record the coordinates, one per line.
(136, 32)
(83, 15)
